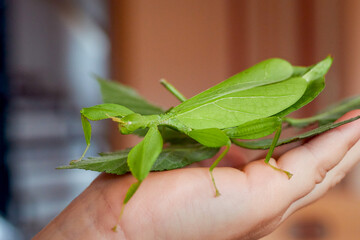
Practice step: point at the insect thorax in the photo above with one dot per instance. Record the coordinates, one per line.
(135, 121)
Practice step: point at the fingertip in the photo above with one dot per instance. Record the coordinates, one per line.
(311, 162)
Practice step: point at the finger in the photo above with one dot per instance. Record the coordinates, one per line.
(317, 165)
(310, 162)
(333, 177)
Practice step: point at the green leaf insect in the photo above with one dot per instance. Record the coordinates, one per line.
(249, 105)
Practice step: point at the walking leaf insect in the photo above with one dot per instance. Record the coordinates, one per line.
(249, 105)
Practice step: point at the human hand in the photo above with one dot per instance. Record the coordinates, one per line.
(180, 204)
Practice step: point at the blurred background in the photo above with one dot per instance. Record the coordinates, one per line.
(49, 50)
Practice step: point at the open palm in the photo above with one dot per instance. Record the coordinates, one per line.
(180, 204)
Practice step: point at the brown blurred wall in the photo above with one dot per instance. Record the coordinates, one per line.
(182, 41)
(350, 47)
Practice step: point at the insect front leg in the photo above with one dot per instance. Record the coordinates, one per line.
(271, 150)
(87, 134)
(96, 113)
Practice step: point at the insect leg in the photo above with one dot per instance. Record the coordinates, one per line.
(222, 155)
(212, 137)
(140, 160)
(87, 133)
(271, 150)
(131, 191)
(172, 90)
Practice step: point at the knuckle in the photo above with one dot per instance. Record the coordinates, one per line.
(337, 178)
(320, 170)
(320, 174)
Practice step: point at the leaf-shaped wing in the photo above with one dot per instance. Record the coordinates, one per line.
(315, 77)
(265, 72)
(239, 107)
(318, 70)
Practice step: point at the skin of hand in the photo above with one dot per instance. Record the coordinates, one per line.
(180, 204)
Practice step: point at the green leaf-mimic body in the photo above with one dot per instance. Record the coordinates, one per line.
(249, 105)
(238, 107)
